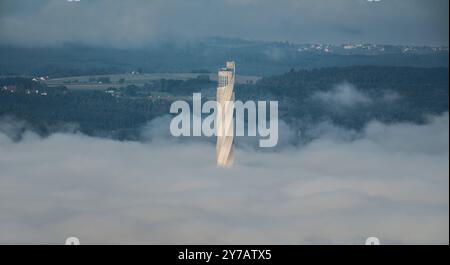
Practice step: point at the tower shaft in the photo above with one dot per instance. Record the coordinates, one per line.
(225, 106)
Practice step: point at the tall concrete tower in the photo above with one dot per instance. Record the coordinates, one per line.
(225, 125)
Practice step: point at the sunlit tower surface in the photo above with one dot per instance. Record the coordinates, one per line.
(225, 126)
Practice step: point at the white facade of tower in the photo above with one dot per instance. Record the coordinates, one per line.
(225, 127)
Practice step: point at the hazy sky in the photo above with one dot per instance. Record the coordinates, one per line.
(138, 22)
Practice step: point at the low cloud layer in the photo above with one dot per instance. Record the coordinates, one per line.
(389, 181)
(343, 95)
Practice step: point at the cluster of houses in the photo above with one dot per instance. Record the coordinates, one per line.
(41, 78)
(13, 89)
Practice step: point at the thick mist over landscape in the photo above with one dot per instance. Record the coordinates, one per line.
(387, 180)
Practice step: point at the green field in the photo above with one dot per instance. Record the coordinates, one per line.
(83, 82)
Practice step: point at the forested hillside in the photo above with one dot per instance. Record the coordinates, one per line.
(345, 96)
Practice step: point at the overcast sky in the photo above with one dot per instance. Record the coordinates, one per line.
(138, 22)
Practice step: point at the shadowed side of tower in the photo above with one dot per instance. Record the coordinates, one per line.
(225, 128)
